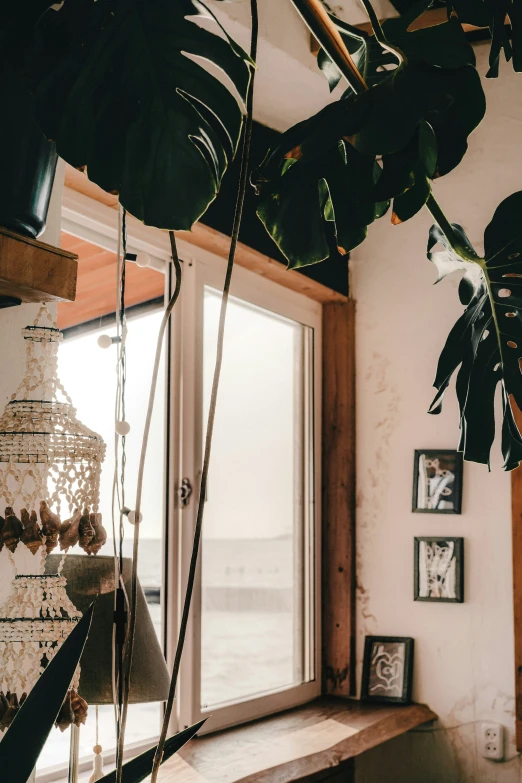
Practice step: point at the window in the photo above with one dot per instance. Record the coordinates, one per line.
(253, 643)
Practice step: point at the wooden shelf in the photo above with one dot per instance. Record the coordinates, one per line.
(301, 744)
(32, 271)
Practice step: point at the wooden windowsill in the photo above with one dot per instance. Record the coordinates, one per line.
(299, 744)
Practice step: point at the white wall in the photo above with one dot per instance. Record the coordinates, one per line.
(289, 85)
(464, 667)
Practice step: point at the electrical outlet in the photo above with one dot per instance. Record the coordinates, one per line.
(492, 741)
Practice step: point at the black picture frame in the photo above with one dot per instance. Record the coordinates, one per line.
(451, 461)
(457, 585)
(372, 690)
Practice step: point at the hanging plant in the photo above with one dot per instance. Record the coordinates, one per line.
(119, 85)
(486, 341)
(344, 164)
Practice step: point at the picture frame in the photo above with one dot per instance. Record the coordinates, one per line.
(437, 481)
(387, 676)
(439, 569)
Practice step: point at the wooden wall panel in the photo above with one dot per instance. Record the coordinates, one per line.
(338, 508)
(516, 521)
(96, 286)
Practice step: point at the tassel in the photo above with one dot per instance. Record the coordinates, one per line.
(97, 763)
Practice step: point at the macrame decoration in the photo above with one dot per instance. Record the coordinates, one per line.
(50, 466)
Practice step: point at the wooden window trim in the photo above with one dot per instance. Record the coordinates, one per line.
(338, 499)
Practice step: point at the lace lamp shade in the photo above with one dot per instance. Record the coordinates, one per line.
(36, 618)
(50, 463)
(50, 466)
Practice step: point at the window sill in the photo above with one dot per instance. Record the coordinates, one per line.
(300, 744)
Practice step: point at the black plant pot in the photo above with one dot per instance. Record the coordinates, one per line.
(27, 166)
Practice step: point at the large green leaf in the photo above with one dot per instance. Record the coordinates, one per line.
(26, 736)
(435, 92)
(486, 341)
(122, 88)
(137, 769)
(493, 14)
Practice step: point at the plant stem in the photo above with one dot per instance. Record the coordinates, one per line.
(379, 33)
(125, 680)
(321, 26)
(463, 251)
(374, 21)
(238, 213)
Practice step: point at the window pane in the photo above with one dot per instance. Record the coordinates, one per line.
(254, 580)
(81, 357)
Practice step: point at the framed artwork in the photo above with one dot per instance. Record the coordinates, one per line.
(439, 569)
(437, 481)
(387, 669)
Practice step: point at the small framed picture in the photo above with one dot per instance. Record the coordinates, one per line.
(387, 669)
(439, 569)
(437, 481)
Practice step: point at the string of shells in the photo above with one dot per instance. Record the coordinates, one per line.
(50, 467)
(82, 528)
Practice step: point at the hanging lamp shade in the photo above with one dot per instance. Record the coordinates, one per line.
(46, 454)
(90, 578)
(50, 466)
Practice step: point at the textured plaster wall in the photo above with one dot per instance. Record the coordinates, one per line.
(464, 664)
(12, 354)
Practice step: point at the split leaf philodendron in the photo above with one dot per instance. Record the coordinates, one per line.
(486, 341)
(119, 86)
(347, 161)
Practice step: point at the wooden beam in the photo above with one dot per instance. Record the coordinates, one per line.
(304, 744)
(96, 286)
(215, 242)
(33, 271)
(338, 507)
(516, 527)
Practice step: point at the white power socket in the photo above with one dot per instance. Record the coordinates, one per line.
(492, 741)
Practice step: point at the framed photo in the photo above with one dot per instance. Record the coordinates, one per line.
(439, 569)
(387, 669)
(437, 481)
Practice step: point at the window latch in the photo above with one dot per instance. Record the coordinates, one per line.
(185, 492)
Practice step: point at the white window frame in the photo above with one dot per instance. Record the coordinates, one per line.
(88, 219)
(206, 269)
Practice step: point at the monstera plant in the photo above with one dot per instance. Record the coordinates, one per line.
(413, 98)
(119, 85)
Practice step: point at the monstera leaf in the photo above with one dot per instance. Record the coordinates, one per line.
(486, 341)
(416, 120)
(119, 85)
